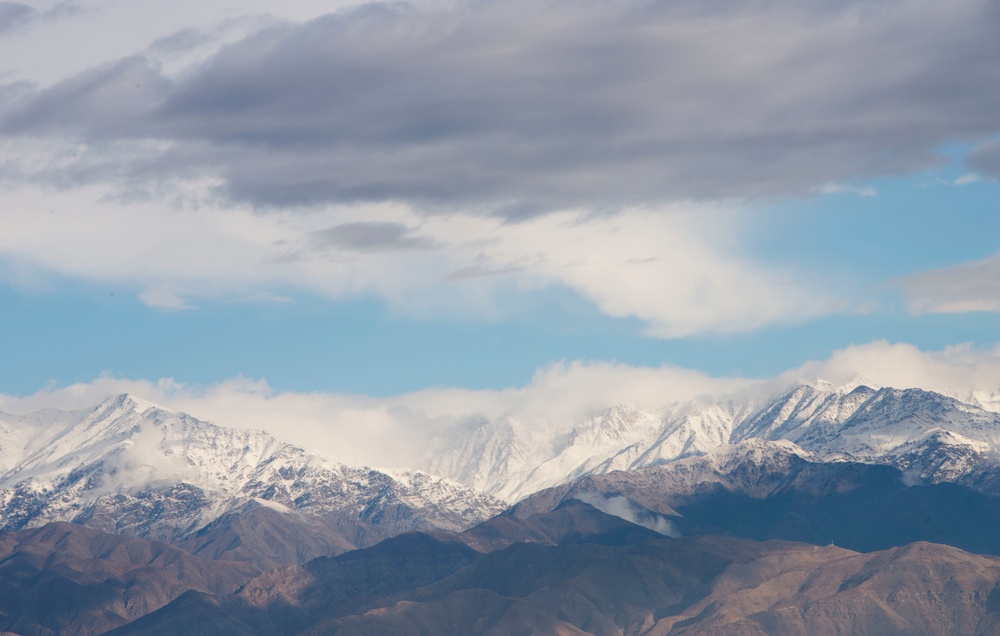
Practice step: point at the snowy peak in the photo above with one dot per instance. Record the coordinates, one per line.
(825, 386)
(853, 421)
(130, 466)
(892, 417)
(803, 412)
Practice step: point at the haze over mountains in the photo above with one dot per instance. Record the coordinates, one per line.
(632, 521)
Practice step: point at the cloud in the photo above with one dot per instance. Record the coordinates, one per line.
(840, 188)
(985, 159)
(394, 431)
(364, 236)
(180, 41)
(679, 269)
(961, 371)
(145, 460)
(164, 298)
(14, 15)
(966, 179)
(518, 108)
(621, 507)
(968, 287)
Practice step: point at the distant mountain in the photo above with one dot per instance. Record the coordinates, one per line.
(130, 467)
(927, 435)
(601, 575)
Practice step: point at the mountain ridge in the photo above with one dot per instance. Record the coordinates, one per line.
(131, 467)
(932, 435)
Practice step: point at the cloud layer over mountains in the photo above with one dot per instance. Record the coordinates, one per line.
(391, 431)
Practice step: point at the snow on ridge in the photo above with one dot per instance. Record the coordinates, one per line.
(128, 454)
(817, 420)
(826, 386)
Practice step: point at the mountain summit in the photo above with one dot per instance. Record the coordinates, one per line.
(933, 436)
(131, 467)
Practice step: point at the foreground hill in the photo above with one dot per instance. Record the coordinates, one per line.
(67, 579)
(590, 573)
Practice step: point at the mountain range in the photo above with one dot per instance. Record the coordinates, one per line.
(821, 510)
(931, 436)
(129, 467)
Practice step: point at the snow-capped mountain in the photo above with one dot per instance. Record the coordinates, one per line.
(130, 467)
(514, 457)
(935, 437)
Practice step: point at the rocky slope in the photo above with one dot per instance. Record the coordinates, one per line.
(130, 467)
(67, 579)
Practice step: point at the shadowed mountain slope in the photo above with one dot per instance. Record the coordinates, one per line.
(605, 577)
(67, 579)
(768, 490)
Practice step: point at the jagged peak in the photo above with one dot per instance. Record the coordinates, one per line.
(855, 383)
(128, 402)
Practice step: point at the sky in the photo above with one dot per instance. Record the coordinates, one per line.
(373, 201)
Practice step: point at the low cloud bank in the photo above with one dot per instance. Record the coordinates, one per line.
(621, 507)
(392, 431)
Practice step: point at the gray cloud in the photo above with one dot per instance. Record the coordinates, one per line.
(14, 15)
(180, 41)
(520, 107)
(104, 104)
(369, 237)
(985, 159)
(962, 288)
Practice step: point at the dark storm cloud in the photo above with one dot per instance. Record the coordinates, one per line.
(523, 107)
(369, 237)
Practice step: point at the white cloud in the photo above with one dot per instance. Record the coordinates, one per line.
(964, 288)
(621, 507)
(840, 188)
(960, 371)
(966, 179)
(164, 298)
(677, 268)
(392, 431)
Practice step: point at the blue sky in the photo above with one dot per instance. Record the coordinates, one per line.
(70, 331)
(379, 199)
